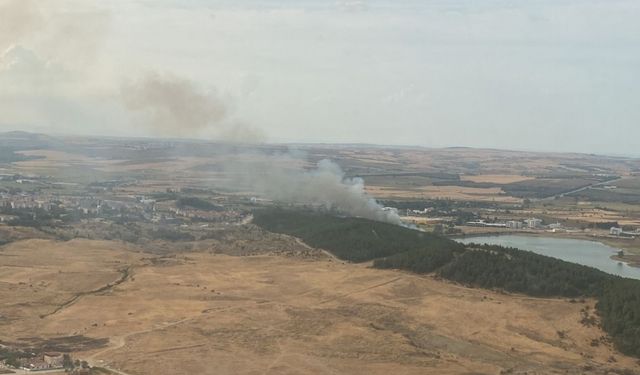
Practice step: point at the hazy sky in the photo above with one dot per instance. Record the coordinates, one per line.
(546, 75)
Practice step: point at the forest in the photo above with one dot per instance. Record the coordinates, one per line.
(482, 266)
(619, 309)
(514, 270)
(354, 239)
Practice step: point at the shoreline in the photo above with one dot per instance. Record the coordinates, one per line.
(635, 262)
(631, 259)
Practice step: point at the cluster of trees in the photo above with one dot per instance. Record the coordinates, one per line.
(484, 266)
(461, 211)
(605, 224)
(39, 217)
(10, 156)
(348, 238)
(424, 260)
(70, 365)
(168, 234)
(162, 196)
(31, 217)
(12, 357)
(513, 270)
(197, 203)
(619, 308)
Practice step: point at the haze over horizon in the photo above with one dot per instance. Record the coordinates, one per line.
(543, 75)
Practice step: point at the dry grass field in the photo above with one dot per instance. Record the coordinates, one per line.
(206, 313)
(40, 277)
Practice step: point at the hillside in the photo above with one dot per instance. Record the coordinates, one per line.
(491, 267)
(280, 315)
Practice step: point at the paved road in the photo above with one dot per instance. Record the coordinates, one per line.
(62, 372)
(580, 189)
(21, 372)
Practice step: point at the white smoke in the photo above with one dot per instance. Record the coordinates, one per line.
(72, 34)
(18, 19)
(284, 179)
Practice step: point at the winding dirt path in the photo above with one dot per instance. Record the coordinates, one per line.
(125, 275)
(325, 252)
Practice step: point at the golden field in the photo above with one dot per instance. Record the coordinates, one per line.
(207, 313)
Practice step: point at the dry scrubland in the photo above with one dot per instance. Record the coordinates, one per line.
(207, 313)
(264, 304)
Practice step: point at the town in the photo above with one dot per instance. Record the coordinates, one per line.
(49, 210)
(42, 362)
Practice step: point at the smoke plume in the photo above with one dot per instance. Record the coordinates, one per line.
(18, 19)
(72, 35)
(284, 179)
(175, 106)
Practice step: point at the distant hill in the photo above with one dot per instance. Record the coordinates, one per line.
(21, 140)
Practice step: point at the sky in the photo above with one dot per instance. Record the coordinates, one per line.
(546, 75)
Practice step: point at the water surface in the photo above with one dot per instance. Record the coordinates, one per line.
(588, 253)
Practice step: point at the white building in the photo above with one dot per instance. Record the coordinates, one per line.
(513, 224)
(615, 231)
(533, 223)
(6, 218)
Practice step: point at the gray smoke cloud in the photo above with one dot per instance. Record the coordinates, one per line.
(50, 65)
(50, 53)
(72, 34)
(175, 106)
(241, 132)
(18, 19)
(285, 179)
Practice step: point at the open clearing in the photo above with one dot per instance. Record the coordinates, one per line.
(205, 313)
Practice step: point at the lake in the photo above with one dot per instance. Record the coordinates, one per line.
(588, 253)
